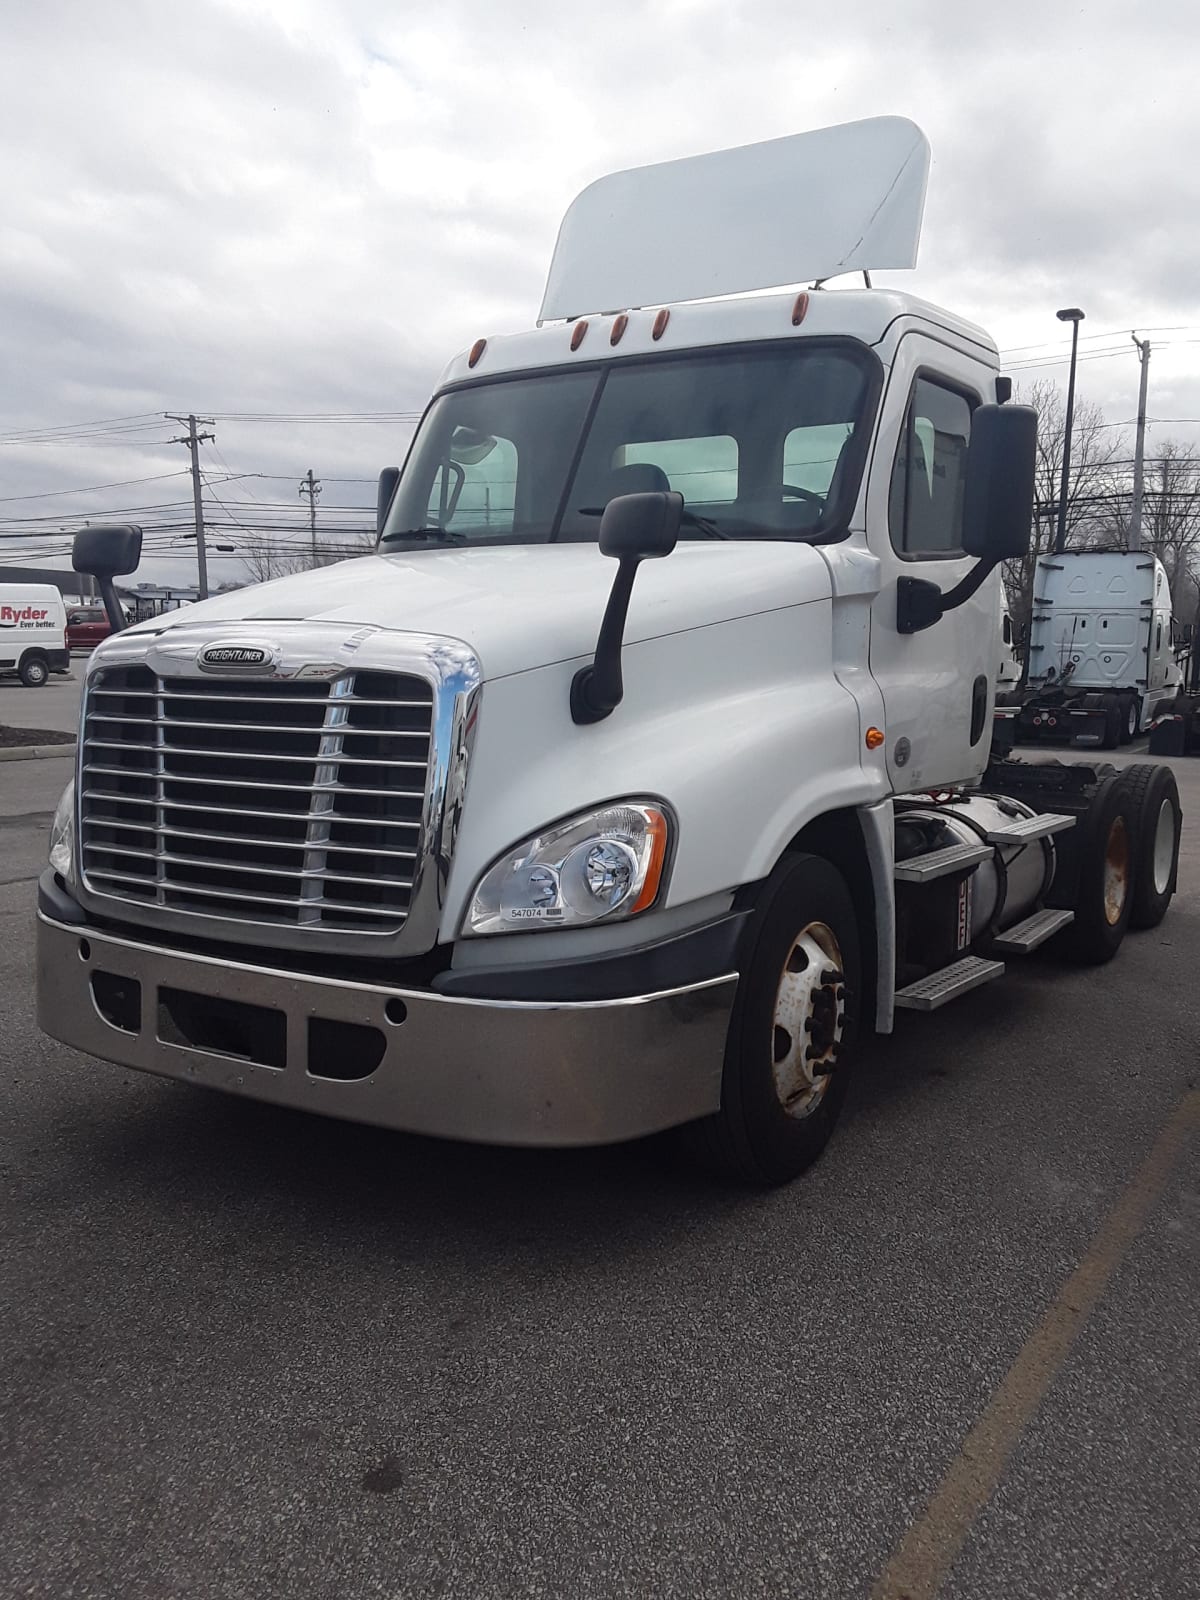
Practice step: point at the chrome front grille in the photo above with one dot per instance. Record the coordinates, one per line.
(295, 803)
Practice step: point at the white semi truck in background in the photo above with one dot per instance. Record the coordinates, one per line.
(643, 770)
(1101, 650)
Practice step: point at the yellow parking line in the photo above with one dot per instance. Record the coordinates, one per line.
(929, 1548)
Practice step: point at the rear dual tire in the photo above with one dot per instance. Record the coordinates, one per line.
(1128, 860)
(1153, 796)
(1104, 900)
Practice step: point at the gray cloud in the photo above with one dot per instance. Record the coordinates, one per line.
(299, 205)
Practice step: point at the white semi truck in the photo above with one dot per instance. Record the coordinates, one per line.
(641, 772)
(1101, 649)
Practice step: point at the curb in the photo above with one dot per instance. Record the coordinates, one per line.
(36, 752)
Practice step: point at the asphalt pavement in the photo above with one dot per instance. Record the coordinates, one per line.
(249, 1353)
(55, 705)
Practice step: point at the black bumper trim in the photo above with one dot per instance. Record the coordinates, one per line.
(701, 954)
(56, 900)
(686, 958)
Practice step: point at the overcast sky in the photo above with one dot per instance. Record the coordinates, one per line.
(301, 206)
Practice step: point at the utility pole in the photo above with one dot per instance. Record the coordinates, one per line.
(1139, 448)
(193, 440)
(312, 487)
(1074, 316)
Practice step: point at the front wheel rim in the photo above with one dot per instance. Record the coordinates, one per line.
(1164, 847)
(1116, 872)
(809, 1020)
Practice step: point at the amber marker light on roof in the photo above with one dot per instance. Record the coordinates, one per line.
(618, 329)
(577, 334)
(800, 308)
(477, 350)
(660, 323)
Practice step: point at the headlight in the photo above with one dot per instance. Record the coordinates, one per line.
(62, 835)
(606, 863)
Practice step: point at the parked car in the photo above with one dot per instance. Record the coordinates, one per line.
(86, 628)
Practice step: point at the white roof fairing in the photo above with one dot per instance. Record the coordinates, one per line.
(812, 205)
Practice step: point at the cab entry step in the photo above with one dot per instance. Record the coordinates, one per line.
(1025, 936)
(940, 863)
(927, 994)
(1020, 830)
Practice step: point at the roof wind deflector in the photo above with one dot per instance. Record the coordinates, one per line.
(793, 210)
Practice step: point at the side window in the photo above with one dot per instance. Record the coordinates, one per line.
(703, 471)
(925, 505)
(476, 488)
(811, 455)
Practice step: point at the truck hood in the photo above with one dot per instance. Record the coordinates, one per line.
(523, 606)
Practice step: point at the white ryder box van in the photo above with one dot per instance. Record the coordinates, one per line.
(33, 632)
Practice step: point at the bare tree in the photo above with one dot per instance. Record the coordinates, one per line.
(265, 559)
(1095, 448)
(353, 542)
(1171, 512)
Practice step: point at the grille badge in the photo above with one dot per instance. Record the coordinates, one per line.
(233, 657)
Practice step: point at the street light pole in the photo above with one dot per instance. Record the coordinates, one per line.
(1074, 316)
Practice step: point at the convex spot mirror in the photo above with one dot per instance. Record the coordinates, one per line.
(641, 526)
(998, 495)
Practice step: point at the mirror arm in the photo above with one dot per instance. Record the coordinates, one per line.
(964, 590)
(919, 603)
(597, 690)
(112, 606)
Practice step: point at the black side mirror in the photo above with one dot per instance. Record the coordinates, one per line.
(997, 511)
(633, 529)
(641, 526)
(998, 496)
(388, 479)
(104, 553)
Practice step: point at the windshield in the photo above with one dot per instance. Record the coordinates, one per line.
(762, 443)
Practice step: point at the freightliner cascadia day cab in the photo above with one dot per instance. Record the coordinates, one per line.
(640, 773)
(1101, 649)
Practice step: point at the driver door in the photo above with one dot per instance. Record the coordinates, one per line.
(938, 684)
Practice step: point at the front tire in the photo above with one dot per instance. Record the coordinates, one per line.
(33, 672)
(792, 1032)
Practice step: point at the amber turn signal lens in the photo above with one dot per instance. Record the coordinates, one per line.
(874, 738)
(656, 828)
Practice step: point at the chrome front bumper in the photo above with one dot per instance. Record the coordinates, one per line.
(513, 1072)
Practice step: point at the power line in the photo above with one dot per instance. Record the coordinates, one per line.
(1115, 333)
(91, 488)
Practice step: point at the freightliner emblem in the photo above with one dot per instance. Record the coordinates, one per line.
(235, 658)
